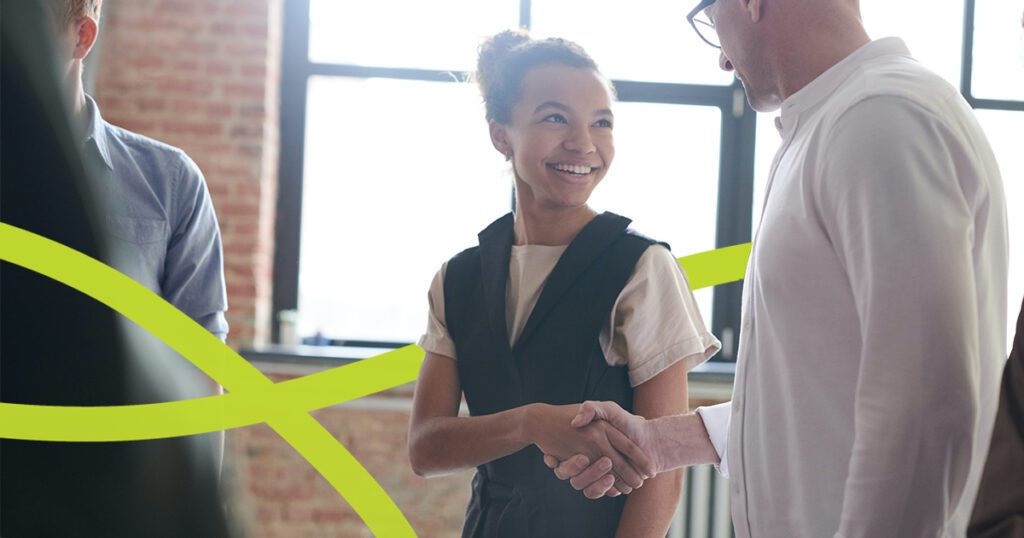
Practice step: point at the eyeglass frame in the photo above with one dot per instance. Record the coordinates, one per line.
(704, 4)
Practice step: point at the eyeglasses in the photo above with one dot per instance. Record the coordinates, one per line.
(704, 23)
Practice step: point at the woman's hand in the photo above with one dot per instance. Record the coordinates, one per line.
(550, 428)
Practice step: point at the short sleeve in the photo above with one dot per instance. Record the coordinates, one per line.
(193, 279)
(655, 321)
(436, 338)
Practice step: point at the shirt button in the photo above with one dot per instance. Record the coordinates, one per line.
(736, 487)
(747, 323)
(736, 405)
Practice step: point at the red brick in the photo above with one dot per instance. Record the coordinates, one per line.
(251, 10)
(253, 111)
(151, 104)
(241, 50)
(148, 62)
(187, 106)
(250, 71)
(219, 68)
(249, 150)
(196, 86)
(247, 131)
(233, 208)
(221, 28)
(187, 66)
(219, 110)
(242, 89)
(198, 128)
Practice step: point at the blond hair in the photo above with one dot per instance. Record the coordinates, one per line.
(67, 11)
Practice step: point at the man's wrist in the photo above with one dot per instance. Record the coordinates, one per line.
(680, 440)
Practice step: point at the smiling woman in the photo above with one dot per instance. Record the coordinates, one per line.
(581, 307)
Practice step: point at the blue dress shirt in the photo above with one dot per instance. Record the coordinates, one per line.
(161, 221)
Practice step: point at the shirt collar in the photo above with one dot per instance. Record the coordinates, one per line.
(828, 82)
(96, 130)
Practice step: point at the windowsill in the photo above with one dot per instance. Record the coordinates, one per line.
(323, 357)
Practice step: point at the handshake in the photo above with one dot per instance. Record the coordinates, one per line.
(606, 451)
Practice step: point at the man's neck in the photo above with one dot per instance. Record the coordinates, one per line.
(76, 90)
(831, 42)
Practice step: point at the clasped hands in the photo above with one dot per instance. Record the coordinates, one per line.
(604, 451)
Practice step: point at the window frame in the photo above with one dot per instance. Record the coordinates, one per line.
(967, 68)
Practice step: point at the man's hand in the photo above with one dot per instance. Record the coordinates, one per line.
(590, 475)
(551, 430)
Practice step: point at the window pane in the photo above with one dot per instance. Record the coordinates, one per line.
(1003, 130)
(443, 34)
(932, 29)
(665, 176)
(648, 41)
(399, 177)
(998, 51)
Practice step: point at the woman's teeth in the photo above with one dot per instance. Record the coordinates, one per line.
(576, 169)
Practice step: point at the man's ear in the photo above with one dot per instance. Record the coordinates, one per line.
(85, 30)
(499, 138)
(753, 8)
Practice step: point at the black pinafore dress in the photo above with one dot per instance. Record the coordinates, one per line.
(556, 360)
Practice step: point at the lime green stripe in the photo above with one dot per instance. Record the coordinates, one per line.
(715, 267)
(214, 358)
(213, 413)
(253, 398)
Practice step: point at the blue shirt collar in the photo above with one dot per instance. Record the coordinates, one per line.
(96, 130)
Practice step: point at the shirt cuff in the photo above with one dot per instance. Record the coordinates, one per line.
(216, 323)
(716, 421)
(435, 344)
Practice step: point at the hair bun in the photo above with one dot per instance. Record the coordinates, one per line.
(498, 45)
(494, 50)
(506, 57)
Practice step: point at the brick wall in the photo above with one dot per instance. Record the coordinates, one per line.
(203, 75)
(281, 495)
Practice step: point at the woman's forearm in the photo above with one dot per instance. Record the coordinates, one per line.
(649, 510)
(442, 445)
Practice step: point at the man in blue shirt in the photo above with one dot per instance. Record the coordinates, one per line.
(160, 215)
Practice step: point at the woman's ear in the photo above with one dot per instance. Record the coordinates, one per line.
(499, 138)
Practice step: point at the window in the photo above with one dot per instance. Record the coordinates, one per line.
(387, 168)
(379, 135)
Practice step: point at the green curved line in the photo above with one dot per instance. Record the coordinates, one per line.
(253, 398)
(234, 410)
(716, 267)
(213, 357)
(212, 413)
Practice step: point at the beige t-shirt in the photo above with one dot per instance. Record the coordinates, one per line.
(654, 323)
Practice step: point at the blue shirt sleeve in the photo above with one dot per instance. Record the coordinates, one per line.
(193, 278)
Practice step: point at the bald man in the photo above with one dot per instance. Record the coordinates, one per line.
(874, 304)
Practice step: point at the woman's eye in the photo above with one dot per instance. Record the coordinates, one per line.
(555, 118)
(607, 124)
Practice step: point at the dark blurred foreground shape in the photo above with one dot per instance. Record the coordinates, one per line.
(999, 509)
(59, 347)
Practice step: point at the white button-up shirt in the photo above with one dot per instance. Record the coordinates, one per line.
(874, 312)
